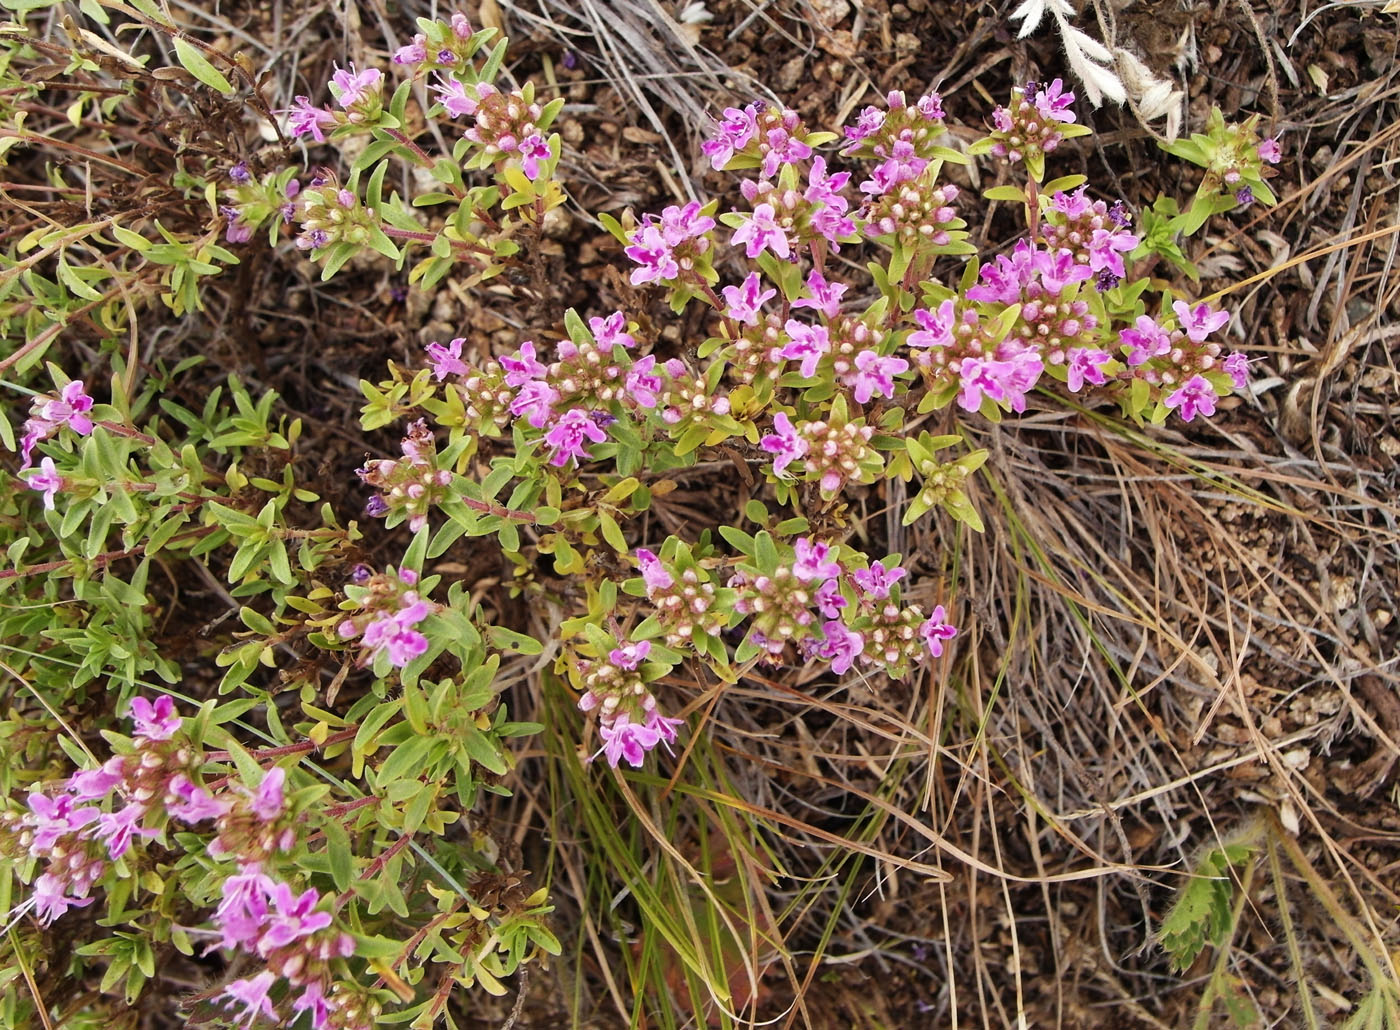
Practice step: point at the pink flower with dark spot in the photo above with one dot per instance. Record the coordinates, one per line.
(1270, 151)
(70, 408)
(533, 150)
(1196, 396)
(567, 435)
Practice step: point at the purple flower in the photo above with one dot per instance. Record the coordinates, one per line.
(868, 122)
(533, 150)
(157, 721)
(1196, 395)
(930, 105)
(826, 189)
(641, 384)
(1244, 196)
(841, 647)
(1085, 364)
(653, 254)
(1053, 102)
(267, 801)
(51, 899)
(251, 994)
(71, 408)
(1236, 365)
(811, 563)
(742, 302)
(99, 782)
(629, 656)
(51, 818)
(1106, 250)
(679, 224)
(1004, 381)
(625, 740)
(306, 119)
(351, 87)
(1270, 151)
(523, 366)
(611, 332)
(239, 174)
(117, 828)
(877, 580)
(826, 297)
(393, 634)
(1145, 342)
(654, 574)
(874, 374)
(760, 232)
(415, 52)
(808, 344)
(47, 480)
(784, 444)
(936, 630)
(1199, 322)
(243, 907)
(447, 361)
(295, 917)
(664, 725)
(456, 98)
(934, 330)
(733, 132)
(829, 600)
(193, 803)
(535, 401)
(567, 435)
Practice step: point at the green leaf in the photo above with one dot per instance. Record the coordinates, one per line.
(198, 65)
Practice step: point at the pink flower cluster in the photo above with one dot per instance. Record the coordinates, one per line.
(830, 453)
(505, 124)
(413, 484)
(768, 137)
(48, 414)
(390, 608)
(442, 45)
(673, 247)
(629, 722)
(293, 937)
(1031, 123)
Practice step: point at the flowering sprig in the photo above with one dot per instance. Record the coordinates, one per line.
(1238, 163)
(388, 608)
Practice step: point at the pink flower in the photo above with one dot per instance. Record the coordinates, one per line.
(71, 408)
(1199, 322)
(1195, 395)
(447, 361)
(1236, 365)
(611, 332)
(841, 647)
(535, 401)
(313, 999)
(251, 994)
(936, 630)
(625, 740)
(461, 28)
(415, 52)
(654, 574)
(351, 87)
(193, 803)
(826, 189)
(524, 366)
(760, 232)
(826, 297)
(51, 818)
(267, 801)
(1085, 364)
(874, 374)
(828, 599)
(457, 99)
(1270, 151)
(641, 384)
(51, 899)
(742, 302)
(1146, 342)
(665, 726)
(295, 917)
(305, 119)
(117, 828)
(877, 580)
(1106, 250)
(243, 907)
(567, 435)
(808, 344)
(1053, 102)
(47, 480)
(651, 251)
(99, 782)
(868, 122)
(934, 330)
(679, 224)
(732, 133)
(157, 721)
(393, 634)
(811, 563)
(629, 656)
(533, 150)
(784, 444)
